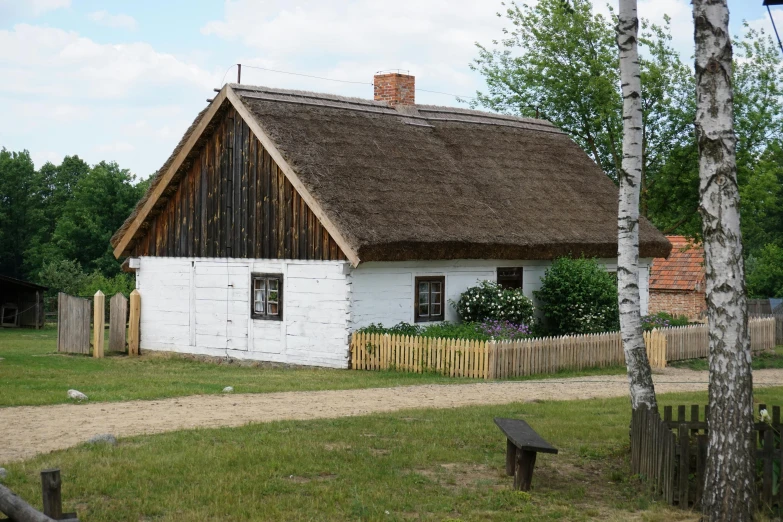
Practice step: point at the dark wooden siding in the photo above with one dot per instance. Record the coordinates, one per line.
(234, 201)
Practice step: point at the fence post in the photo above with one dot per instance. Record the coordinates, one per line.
(51, 493)
(133, 328)
(98, 323)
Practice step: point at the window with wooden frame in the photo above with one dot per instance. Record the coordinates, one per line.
(267, 298)
(510, 278)
(429, 299)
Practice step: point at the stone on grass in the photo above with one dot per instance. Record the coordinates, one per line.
(104, 438)
(228, 389)
(76, 395)
(3, 473)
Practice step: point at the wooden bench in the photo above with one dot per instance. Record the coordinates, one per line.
(522, 446)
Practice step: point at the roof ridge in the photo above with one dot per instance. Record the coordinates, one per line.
(383, 105)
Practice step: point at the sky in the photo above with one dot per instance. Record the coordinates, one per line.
(122, 80)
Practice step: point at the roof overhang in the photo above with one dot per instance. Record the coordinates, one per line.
(227, 95)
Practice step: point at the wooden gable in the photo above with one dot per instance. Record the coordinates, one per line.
(234, 201)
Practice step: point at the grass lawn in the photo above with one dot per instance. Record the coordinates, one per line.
(413, 465)
(761, 361)
(32, 373)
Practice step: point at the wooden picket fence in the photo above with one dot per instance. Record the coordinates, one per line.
(692, 342)
(495, 359)
(505, 359)
(671, 454)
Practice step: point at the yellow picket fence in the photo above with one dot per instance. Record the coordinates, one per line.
(495, 359)
(505, 359)
(693, 342)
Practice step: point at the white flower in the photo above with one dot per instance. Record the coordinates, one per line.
(764, 414)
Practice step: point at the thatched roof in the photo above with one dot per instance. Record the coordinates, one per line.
(426, 182)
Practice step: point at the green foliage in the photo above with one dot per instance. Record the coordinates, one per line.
(578, 296)
(488, 301)
(67, 276)
(484, 331)
(765, 272)
(561, 58)
(663, 320)
(59, 213)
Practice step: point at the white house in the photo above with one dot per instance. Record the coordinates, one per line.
(284, 220)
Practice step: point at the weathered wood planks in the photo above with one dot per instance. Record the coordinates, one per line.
(118, 317)
(234, 201)
(73, 324)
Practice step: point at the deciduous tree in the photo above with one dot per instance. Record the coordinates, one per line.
(730, 471)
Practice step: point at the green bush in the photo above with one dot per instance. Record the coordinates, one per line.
(578, 296)
(499, 330)
(488, 301)
(764, 272)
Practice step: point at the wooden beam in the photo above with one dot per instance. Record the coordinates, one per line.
(271, 148)
(169, 174)
(18, 509)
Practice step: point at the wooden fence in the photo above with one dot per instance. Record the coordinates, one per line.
(494, 359)
(73, 324)
(505, 359)
(778, 318)
(692, 342)
(671, 454)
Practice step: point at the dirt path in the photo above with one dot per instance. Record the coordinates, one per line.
(29, 430)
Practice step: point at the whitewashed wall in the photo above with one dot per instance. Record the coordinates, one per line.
(202, 306)
(383, 292)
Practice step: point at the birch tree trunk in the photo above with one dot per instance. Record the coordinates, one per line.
(730, 474)
(630, 175)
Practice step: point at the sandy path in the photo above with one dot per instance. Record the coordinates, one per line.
(28, 430)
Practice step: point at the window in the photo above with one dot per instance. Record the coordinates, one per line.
(510, 278)
(267, 300)
(428, 301)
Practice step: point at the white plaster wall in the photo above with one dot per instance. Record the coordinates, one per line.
(383, 292)
(202, 306)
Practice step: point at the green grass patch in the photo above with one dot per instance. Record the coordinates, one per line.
(410, 465)
(762, 361)
(32, 373)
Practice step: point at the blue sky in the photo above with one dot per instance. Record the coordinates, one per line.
(122, 80)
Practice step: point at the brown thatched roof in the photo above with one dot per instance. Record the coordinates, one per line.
(426, 182)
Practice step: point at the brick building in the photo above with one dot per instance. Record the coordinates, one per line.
(677, 283)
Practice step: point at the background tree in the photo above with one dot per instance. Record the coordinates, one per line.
(18, 216)
(730, 472)
(630, 177)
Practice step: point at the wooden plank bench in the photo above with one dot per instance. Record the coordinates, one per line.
(522, 446)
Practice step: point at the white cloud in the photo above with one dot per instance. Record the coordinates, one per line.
(352, 40)
(11, 8)
(118, 21)
(63, 93)
(50, 61)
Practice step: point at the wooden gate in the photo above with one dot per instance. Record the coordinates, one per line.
(73, 324)
(118, 318)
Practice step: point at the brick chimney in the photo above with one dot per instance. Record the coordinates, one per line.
(395, 88)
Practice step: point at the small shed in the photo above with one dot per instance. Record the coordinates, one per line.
(21, 303)
(677, 283)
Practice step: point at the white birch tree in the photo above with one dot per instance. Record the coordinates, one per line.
(729, 477)
(629, 176)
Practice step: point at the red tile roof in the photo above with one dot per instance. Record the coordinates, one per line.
(683, 270)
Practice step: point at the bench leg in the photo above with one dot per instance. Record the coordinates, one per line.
(511, 458)
(523, 473)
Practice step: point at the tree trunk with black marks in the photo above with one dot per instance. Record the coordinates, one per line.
(630, 175)
(730, 472)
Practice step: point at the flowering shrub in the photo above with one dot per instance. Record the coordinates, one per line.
(488, 301)
(578, 296)
(503, 330)
(663, 320)
(499, 330)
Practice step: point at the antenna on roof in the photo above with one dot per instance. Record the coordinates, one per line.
(398, 71)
